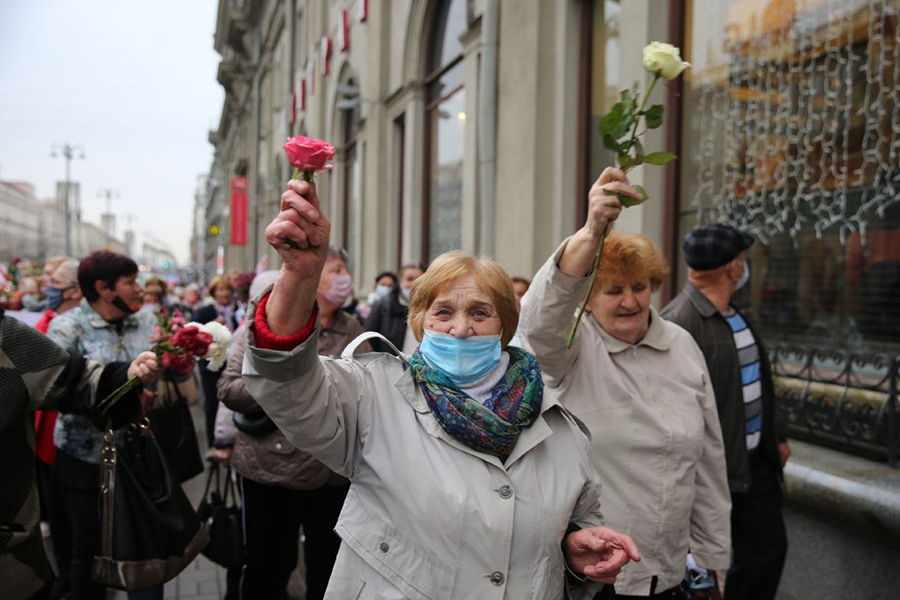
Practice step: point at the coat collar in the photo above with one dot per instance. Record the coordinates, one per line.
(658, 336)
(700, 302)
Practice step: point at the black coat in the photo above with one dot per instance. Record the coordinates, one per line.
(695, 313)
(208, 313)
(388, 317)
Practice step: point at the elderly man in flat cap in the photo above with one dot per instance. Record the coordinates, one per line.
(755, 446)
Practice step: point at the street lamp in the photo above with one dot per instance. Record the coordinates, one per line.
(69, 152)
(108, 219)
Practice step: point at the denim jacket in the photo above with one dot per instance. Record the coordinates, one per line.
(84, 331)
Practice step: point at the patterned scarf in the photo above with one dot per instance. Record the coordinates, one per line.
(493, 427)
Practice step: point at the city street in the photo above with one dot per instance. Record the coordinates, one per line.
(477, 298)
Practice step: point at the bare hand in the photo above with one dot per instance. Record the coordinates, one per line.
(603, 206)
(784, 451)
(144, 367)
(148, 400)
(302, 222)
(220, 455)
(600, 553)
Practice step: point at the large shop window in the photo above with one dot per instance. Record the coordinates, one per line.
(446, 119)
(791, 131)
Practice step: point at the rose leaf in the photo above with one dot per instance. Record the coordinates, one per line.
(659, 158)
(653, 116)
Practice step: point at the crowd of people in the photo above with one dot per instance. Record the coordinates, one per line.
(442, 437)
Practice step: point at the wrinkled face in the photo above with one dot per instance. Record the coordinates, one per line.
(223, 294)
(520, 290)
(333, 266)
(408, 276)
(129, 290)
(623, 310)
(463, 310)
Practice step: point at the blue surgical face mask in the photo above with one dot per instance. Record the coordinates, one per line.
(54, 298)
(744, 278)
(463, 360)
(382, 290)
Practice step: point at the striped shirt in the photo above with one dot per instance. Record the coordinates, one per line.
(748, 357)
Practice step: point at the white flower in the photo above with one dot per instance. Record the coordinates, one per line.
(664, 60)
(217, 353)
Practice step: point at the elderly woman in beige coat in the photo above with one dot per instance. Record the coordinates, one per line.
(465, 481)
(641, 385)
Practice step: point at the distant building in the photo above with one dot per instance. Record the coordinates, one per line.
(20, 222)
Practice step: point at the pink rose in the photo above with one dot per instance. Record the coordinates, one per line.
(308, 154)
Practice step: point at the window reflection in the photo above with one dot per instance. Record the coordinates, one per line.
(446, 129)
(791, 131)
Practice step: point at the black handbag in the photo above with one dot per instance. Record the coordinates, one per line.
(173, 427)
(149, 530)
(221, 521)
(254, 423)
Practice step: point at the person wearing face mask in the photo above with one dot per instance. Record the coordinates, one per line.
(107, 326)
(640, 385)
(467, 482)
(389, 315)
(283, 488)
(756, 447)
(384, 283)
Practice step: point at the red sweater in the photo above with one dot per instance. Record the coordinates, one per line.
(269, 341)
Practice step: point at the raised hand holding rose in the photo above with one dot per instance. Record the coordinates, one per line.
(308, 156)
(300, 232)
(620, 134)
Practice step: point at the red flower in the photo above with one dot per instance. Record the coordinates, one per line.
(308, 154)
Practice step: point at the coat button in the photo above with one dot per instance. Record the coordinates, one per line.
(505, 492)
(497, 578)
(278, 446)
(384, 547)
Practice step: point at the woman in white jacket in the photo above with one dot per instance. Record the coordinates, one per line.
(641, 385)
(466, 481)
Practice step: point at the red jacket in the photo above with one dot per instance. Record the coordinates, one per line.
(45, 420)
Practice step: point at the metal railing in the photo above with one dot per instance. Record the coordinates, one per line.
(844, 400)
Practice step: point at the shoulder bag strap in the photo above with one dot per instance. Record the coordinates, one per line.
(352, 346)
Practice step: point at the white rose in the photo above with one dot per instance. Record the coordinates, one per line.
(664, 59)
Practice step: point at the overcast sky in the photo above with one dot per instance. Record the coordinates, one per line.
(134, 83)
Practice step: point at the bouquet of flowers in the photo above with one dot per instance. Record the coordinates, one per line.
(620, 134)
(179, 345)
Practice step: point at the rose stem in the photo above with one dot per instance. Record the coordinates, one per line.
(587, 295)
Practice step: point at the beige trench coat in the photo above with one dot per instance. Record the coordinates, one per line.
(426, 517)
(656, 439)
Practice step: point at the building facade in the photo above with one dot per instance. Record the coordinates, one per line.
(474, 124)
(20, 222)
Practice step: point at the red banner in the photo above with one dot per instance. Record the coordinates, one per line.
(239, 211)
